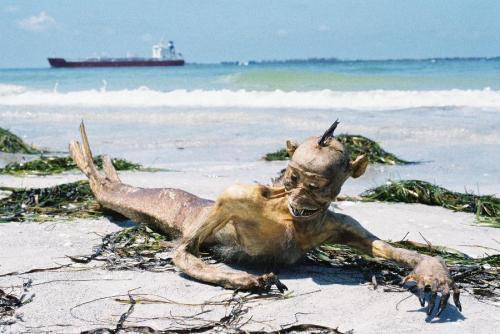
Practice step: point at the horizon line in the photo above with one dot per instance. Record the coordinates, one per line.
(319, 60)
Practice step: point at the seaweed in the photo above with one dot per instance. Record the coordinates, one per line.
(131, 248)
(46, 165)
(280, 154)
(479, 276)
(69, 201)
(485, 207)
(10, 143)
(10, 302)
(356, 145)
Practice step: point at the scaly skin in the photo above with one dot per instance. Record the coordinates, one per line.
(277, 225)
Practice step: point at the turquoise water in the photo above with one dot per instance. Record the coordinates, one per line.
(342, 75)
(445, 113)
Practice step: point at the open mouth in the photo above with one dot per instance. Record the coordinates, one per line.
(302, 212)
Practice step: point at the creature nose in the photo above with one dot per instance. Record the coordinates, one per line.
(297, 192)
(298, 196)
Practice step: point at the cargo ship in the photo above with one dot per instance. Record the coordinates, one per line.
(162, 56)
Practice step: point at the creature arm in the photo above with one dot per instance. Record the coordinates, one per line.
(427, 271)
(187, 260)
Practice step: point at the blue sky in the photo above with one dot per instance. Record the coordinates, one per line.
(212, 31)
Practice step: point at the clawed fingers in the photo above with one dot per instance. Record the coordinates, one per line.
(435, 287)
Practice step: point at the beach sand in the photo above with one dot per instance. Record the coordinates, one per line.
(318, 294)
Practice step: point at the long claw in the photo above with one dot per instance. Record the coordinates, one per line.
(281, 287)
(432, 301)
(443, 303)
(456, 298)
(421, 292)
(421, 297)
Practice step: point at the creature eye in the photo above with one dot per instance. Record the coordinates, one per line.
(312, 186)
(294, 178)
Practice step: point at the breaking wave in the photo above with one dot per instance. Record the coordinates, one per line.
(12, 95)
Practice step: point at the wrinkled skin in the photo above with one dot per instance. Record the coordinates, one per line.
(259, 223)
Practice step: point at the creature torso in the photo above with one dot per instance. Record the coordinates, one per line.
(261, 227)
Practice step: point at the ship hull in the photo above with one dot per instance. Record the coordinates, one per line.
(61, 62)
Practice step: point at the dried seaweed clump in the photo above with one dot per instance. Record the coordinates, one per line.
(356, 145)
(480, 276)
(281, 154)
(69, 200)
(10, 302)
(132, 248)
(46, 165)
(486, 207)
(10, 143)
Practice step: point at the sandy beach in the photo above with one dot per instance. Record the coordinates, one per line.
(318, 295)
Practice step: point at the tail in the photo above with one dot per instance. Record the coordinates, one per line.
(82, 156)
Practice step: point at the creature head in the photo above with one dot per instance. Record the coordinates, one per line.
(316, 172)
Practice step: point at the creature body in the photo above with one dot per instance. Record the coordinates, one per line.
(276, 224)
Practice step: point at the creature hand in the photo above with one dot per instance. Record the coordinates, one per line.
(256, 284)
(266, 282)
(432, 272)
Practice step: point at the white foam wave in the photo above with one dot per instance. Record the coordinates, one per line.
(11, 95)
(7, 90)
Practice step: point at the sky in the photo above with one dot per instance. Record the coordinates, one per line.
(213, 31)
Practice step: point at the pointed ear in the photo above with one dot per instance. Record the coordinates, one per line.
(358, 166)
(291, 146)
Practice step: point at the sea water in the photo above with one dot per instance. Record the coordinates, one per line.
(444, 113)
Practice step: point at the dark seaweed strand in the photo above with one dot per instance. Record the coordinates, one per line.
(46, 165)
(10, 143)
(69, 200)
(486, 207)
(358, 145)
(281, 154)
(131, 248)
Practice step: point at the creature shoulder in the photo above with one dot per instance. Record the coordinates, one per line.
(250, 192)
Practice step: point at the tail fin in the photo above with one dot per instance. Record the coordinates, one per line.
(82, 156)
(109, 169)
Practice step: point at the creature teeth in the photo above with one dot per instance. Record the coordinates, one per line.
(302, 212)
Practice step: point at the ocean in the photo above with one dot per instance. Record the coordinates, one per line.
(214, 118)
